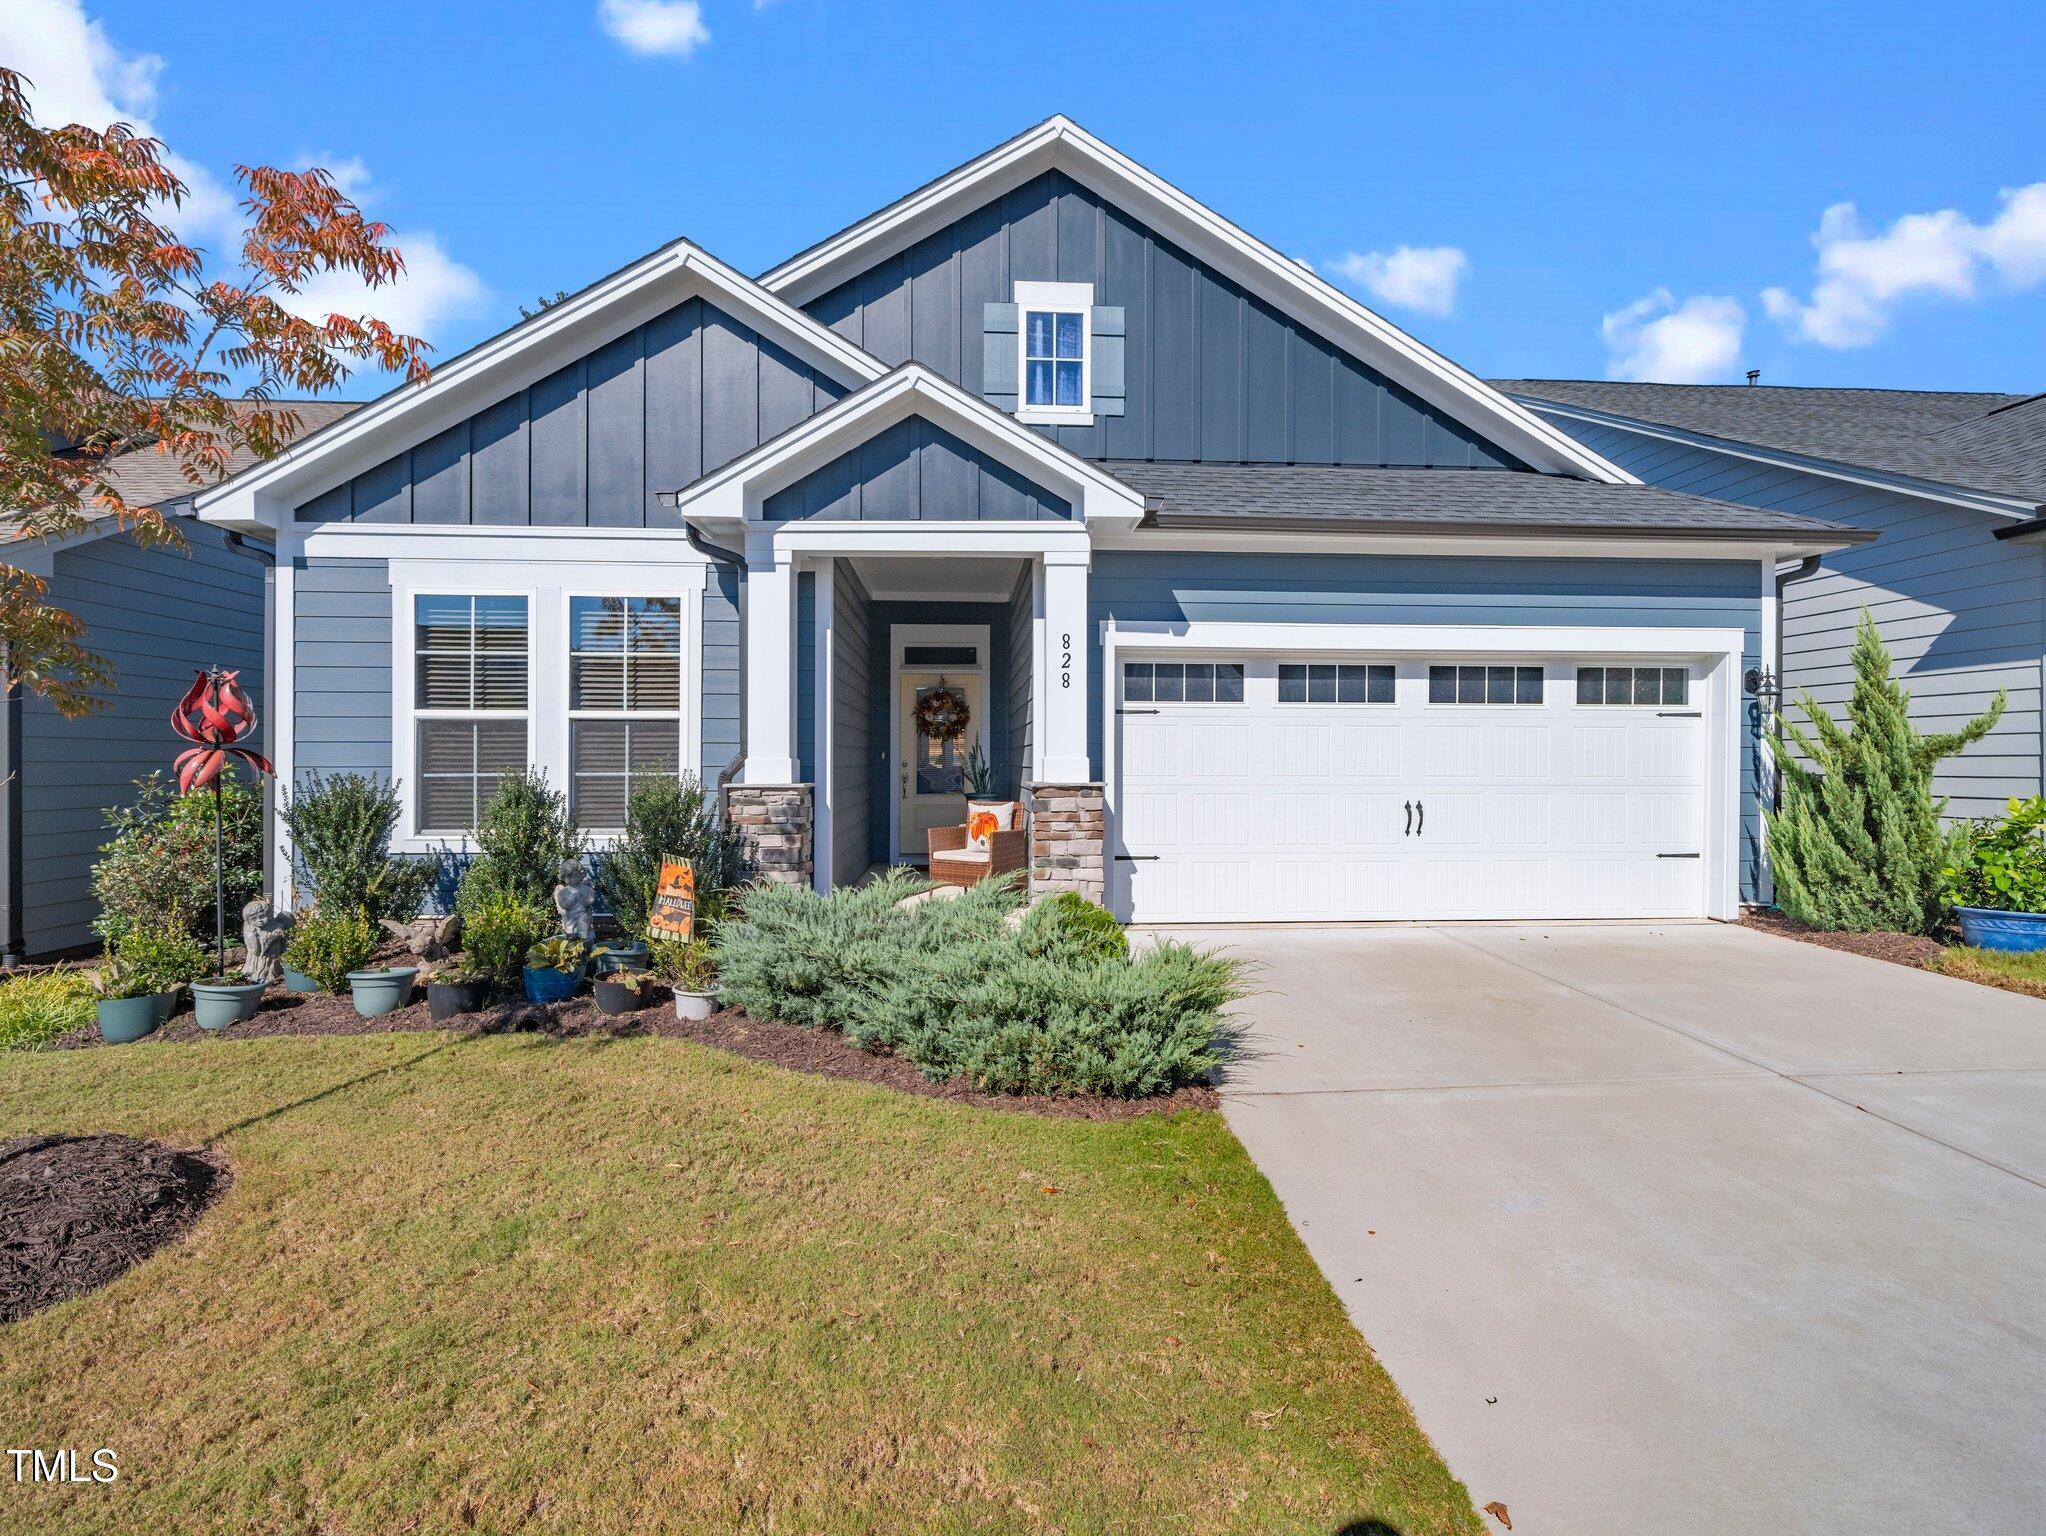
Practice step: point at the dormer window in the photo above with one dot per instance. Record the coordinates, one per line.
(1055, 355)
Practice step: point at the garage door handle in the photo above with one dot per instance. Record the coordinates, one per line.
(1676, 855)
(1136, 858)
(1679, 714)
(1420, 817)
(1410, 820)
(1136, 711)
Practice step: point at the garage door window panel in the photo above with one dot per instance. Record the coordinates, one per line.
(1320, 682)
(1182, 682)
(1470, 683)
(1660, 686)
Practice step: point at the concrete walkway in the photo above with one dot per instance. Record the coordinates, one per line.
(1672, 1228)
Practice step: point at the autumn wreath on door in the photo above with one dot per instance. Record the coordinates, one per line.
(942, 715)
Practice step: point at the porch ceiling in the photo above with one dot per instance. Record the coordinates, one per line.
(946, 578)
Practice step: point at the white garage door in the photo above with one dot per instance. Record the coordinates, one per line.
(1266, 789)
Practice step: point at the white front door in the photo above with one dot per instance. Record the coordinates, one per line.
(1393, 788)
(930, 773)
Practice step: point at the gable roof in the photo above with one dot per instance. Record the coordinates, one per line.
(145, 477)
(1994, 444)
(1314, 497)
(522, 354)
(1058, 143)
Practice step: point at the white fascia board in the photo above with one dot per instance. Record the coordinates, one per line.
(1777, 458)
(830, 536)
(1272, 638)
(459, 544)
(1279, 280)
(1276, 541)
(528, 352)
(724, 502)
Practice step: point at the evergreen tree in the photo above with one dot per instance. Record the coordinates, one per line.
(1858, 843)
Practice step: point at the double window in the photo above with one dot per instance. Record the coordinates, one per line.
(1633, 685)
(1467, 683)
(470, 692)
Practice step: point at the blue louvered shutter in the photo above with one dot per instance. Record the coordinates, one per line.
(1107, 381)
(1000, 361)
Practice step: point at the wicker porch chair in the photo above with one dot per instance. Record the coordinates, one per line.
(953, 863)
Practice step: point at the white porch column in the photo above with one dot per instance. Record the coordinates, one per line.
(1062, 667)
(770, 664)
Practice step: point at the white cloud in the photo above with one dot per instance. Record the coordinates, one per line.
(655, 26)
(433, 290)
(1423, 278)
(1865, 277)
(1656, 339)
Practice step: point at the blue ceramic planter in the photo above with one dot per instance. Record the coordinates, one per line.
(124, 1020)
(380, 992)
(217, 1004)
(298, 981)
(547, 985)
(1985, 928)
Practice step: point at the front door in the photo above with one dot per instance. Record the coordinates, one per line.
(930, 773)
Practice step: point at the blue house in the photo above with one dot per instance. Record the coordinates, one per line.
(1262, 608)
(1955, 484)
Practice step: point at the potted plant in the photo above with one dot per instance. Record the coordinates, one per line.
(620, 955)
(129, 1006)
(378, 992)
(160, 959)
(328, 945)
(1996, 878)
(686, 966)
(554, 969)
(297, 980)
(461, 986)
(623, 991)
(213, 716)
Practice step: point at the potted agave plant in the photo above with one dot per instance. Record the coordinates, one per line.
(215, 716)
(554, 969)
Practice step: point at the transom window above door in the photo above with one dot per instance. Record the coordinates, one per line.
(1333, 682)
(1471, 683)
(1634, 685)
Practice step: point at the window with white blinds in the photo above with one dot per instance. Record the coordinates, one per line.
(625, 702)
(470, 695)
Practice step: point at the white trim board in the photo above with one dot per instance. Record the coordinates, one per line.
(1719, 648)
(1060, 143)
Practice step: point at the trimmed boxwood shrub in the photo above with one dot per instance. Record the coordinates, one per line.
(158, 865)
(951, 987)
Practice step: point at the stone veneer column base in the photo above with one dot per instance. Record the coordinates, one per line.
(772, 825)
(1068, 827)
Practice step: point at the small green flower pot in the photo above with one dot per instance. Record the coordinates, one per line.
(381, 992)
(298, 981)
(124, 1020)
(163, 1004)
(622, 957)
(217, 1004)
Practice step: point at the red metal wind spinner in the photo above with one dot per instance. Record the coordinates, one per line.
(213, 715)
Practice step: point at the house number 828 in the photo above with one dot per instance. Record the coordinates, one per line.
(1065, 661)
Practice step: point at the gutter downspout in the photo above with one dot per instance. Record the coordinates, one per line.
(1803, 570)
(717, 553)
(267, 558)
(11, 927)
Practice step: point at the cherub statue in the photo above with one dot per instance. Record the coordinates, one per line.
(265, 932)
(576, 902)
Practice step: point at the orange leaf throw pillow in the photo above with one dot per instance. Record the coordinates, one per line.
(984, 819)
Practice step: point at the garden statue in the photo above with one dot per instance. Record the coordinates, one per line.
(265, 931)
(576, 901)
(428, 938)
(215, 716)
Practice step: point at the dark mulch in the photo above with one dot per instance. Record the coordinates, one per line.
(78, 1211)
(821, 1052)
(1912, 949)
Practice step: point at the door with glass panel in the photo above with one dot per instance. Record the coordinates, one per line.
(930, 772)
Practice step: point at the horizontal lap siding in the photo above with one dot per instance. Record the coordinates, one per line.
(1407, 589)
(852, 757)
(1211, 373)
(341, 668)
(158, 615)
(720, 663)
(1963, 613)
(595, 443)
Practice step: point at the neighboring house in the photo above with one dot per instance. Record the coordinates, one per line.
(1266, 609)
(157, 614)
(1953, 483)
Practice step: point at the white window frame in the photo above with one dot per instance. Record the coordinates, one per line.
(547, 589)
(1123, 704)
(1428, 664)
(1282, 662)
(1614, 666)
(678, 715)
(1062, 299)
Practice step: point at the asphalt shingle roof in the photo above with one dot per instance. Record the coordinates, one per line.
(146, 478)
(1407, 500)
(1980, 442)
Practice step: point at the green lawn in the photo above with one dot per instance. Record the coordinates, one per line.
(501, 1284)
(2015, 972)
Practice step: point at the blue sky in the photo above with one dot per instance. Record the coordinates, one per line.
(1578, 190)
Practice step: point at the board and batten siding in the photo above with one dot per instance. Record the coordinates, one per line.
(595, 443)
(915, 471)
(852, 726)
(1211, 373)
(158, 615)
(1133, 586)
(1963, 613)
(342, 708)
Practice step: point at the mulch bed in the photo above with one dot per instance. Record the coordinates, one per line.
(78, 1211)
(1912, 949)
(819, 1052)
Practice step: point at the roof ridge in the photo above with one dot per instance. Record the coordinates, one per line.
(1838, 389)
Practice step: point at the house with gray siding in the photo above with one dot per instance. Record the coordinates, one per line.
(1954, 484)
(1260, 608)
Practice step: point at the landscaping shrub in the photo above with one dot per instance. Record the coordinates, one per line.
(2000, 862)
(158, 865)
(1858, 844)
(949, 987)
(328, 943)
(35, 1009)
(664, 818)
(161, 956)
(497, 930)
(523, 838)
(1069, 923)
(341, 827)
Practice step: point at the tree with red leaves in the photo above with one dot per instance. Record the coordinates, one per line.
(117, 336)
(215, 715)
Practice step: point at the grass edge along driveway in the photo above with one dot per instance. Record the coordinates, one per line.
(501, 1284)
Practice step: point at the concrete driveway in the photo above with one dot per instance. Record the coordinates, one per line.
(1672, 1228)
